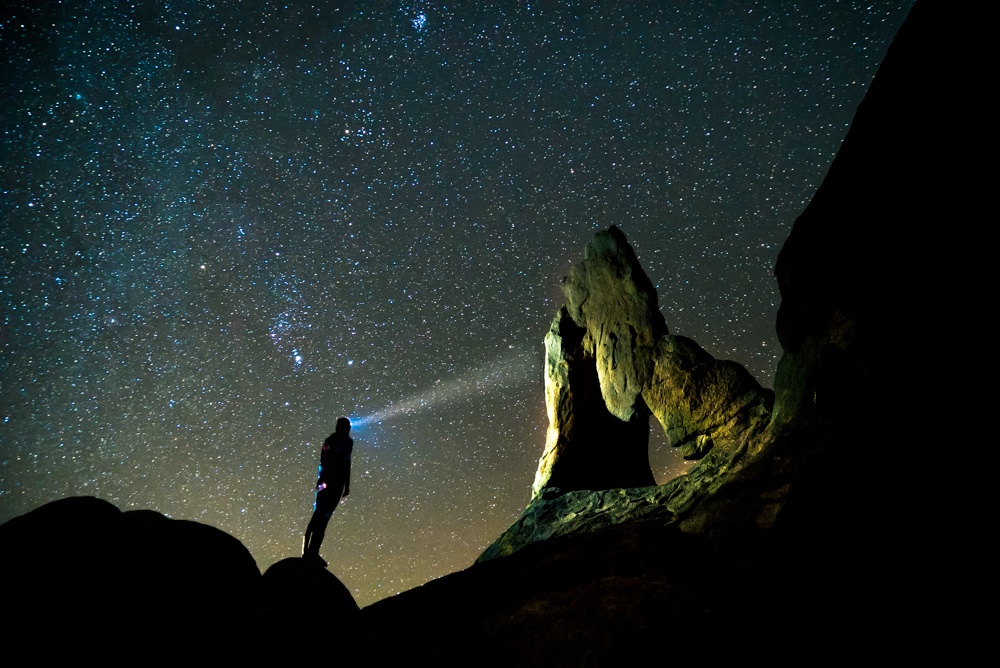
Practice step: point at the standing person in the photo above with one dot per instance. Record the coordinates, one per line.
(334, 482)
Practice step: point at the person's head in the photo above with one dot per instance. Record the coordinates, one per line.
(343, 426)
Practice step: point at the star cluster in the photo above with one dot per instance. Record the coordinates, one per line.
(223, 225)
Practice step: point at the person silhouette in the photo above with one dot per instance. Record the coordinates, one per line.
(334, 482)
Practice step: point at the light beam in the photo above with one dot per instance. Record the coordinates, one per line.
(504, 372)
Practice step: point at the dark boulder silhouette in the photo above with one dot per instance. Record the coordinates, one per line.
(60, 566)
(302, 592)
(101, 580)
(200, 574)
(302, 607)
(115, 585)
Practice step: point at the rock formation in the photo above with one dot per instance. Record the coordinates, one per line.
(847, 364)
(610, 362)
(814, 538)
(598, 356)
(302, 604)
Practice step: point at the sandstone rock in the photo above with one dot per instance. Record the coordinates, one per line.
(609, 362)
(795, 476)
(587, 447)
(612, 299)
(703, 402)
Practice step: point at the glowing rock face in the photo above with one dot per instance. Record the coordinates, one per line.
(587, 446)
(610, 296)
(610, 362)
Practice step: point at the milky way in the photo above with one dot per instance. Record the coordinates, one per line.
(224, 225)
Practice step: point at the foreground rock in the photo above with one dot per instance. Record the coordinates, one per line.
(86, 579)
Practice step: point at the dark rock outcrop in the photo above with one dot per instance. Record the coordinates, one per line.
(303, 586)
(178, 562)
(104, 583)
(631, 592)
(303, 605)
(65, 551)
(101, 581)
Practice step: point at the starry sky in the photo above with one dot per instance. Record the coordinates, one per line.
(224, 225)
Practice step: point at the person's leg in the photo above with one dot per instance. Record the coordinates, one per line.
(326, 502)
(315, 531)
(309, 539)
(318, 532)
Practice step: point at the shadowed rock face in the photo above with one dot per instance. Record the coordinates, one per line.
(82, 571)
(302, 602)
(610, 362)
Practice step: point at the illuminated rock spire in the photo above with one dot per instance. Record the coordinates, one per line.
(610, 362)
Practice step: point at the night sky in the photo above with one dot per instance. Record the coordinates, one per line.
(224, 225)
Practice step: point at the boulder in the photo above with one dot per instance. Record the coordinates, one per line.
(104, 581)
(302, 588)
